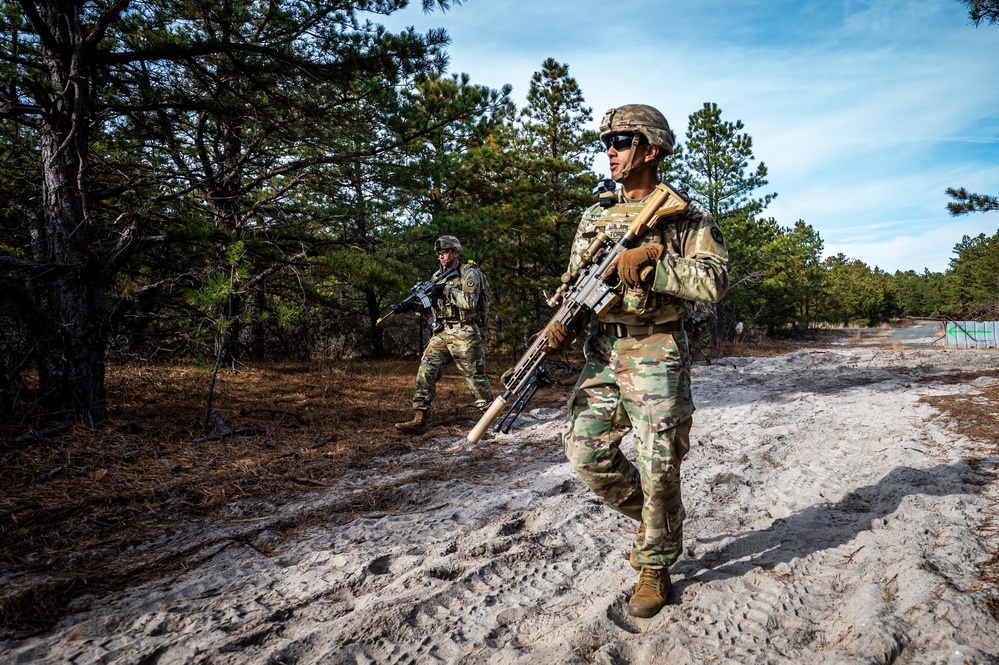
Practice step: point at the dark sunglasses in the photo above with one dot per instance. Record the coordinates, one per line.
(618, 141)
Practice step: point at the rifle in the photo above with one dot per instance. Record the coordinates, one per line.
(420, 298)
(582, 290)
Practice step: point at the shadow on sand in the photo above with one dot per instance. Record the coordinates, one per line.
(829, 525)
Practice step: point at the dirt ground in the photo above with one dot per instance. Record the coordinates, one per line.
(841, 497)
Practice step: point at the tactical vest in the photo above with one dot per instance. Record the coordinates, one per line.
(639, 305)
(469, 285)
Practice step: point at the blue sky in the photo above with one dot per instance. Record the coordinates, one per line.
(863, 111)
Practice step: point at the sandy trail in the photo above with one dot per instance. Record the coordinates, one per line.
(831, 519)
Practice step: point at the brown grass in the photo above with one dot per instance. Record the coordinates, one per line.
(975, 415)
(89, 510)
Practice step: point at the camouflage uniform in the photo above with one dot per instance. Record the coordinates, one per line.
(700, 328)
(637, 375)
(456, 337)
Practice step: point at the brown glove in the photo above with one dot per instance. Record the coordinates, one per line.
(559, 336)
(633, 263)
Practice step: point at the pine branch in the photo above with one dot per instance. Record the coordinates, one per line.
(965, 202)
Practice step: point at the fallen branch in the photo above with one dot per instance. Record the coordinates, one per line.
(309, 481)
(300, 419)
(49, 475)
(247, 431)
(40, 436)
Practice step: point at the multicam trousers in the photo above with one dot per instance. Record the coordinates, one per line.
(463, 344)
(702, 334)
(640, 383)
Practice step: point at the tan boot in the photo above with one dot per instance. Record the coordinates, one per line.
(639, 540)
(418, 425)
(650, 593)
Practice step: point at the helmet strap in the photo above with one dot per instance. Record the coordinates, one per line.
(629, 166)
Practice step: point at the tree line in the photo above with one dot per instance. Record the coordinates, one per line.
(234, 181)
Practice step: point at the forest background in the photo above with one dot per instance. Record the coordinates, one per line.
(238, 181)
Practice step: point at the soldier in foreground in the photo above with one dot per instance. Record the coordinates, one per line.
(459, 308)
(637, 371)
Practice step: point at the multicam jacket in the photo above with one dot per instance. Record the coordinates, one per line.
(462, 294)
(694, 266)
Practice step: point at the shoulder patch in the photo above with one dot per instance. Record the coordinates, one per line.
(716, 235)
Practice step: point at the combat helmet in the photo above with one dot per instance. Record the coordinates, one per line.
(639, 119)
(447, 242)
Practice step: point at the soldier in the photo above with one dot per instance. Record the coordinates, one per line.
(637, 371)
(700, 328)
(459, 310)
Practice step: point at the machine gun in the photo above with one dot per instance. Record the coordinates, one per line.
(583, 290)
(420, 296)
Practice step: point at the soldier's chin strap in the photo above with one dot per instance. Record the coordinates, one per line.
(629, 166)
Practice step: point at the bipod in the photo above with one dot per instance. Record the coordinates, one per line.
(539, 379)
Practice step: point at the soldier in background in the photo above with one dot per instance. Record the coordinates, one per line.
(459, 308)
(700, 328)
(637, 371)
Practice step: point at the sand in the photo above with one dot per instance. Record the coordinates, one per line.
(832, 518)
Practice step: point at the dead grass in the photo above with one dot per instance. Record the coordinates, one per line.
(764, 347)
(975, 415)
(90, 510)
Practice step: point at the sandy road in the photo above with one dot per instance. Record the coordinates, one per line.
(832, 519)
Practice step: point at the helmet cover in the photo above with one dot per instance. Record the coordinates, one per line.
(639, 119)
(447, 242)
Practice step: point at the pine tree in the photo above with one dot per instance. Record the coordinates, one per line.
(552, 155)
(714, 165)
(974, 272)
(983, 10)
(964, 201)
(96, 83)
(855, 293)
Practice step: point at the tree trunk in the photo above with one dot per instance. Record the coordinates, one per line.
(71, 352)
(74, 339)
(377, 334)
(258, 334)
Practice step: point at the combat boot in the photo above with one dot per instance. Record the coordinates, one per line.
(650, 593)
(418, 425)
(639, 539)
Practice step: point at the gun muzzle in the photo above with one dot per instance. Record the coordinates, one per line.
(487, 419)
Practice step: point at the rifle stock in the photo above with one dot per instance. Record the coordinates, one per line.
(582, 290)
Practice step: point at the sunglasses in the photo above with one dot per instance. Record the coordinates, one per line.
(619, 142)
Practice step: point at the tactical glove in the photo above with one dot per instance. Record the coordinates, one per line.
(403, 307)
(559, 336)
(437, 292)
(632, 263)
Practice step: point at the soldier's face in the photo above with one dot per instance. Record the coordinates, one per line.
(618, 147)
(618, 158)
(447, 257)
